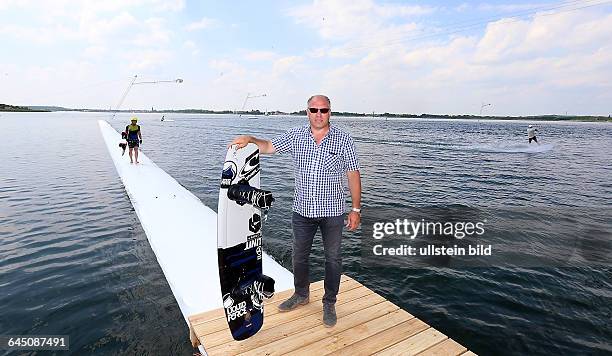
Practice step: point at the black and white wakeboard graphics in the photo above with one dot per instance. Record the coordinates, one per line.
(239, 247)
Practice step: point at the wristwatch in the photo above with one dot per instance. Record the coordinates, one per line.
(357, 210)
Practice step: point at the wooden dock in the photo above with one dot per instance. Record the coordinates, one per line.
(368, 324)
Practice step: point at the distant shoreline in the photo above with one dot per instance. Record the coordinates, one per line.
(11, 108)
(583, 118)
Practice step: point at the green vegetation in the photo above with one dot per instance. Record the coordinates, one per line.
(471, 117)
(5, 107)
(47, 108)
(477, 117)
(586, 118)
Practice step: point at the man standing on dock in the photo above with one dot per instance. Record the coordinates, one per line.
(322, 155)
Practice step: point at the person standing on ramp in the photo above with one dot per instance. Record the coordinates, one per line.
(134, 138)
(323, 155)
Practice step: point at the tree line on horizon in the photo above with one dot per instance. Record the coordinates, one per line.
(386, 115)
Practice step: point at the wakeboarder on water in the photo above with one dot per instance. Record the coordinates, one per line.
(531, 134)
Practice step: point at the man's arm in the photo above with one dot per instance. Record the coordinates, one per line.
(265, 146)
(354, 183)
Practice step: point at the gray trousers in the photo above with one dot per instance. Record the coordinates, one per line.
(304, 230)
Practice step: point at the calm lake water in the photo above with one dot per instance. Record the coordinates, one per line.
(74, 259)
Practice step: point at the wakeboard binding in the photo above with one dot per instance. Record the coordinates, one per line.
(243, 193)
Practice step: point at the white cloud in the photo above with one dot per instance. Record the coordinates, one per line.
(153, 33)
(223, 65)
(346, 19)
(204, 23)
(375, 40)
(462, 7)
(260, 56)
(521, 66)
(286, 64)
(38, 35)
(8, 4)
(501, 37)
(367, 55)
(95, 51)
(92, 30)
(169, 5)
(392, 10)
(353, 28)
(440, 55)
(103, 30)
(73, 83)
(544, 36)
(512, 7)
(95, 22)
(143, 60)
(191, 46)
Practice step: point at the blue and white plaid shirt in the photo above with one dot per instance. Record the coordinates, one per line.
(319, 170)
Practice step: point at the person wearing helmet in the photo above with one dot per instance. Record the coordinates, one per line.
(134, 138)
(531, 134)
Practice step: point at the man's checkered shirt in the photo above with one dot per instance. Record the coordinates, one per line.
(319, 170)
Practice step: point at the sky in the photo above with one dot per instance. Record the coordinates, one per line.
(439, 57)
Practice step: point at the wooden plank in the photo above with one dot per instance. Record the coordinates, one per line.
(269, 336)
(271, 309)
(352, 334)
(415, 344)
(445, 348)
(314, 294)
(385, 339)
(367, 324)
(219, 313)
(320, 332)
(278, 320)
(298, 324)
(218, 327)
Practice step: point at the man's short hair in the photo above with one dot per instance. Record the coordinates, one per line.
(320, 96)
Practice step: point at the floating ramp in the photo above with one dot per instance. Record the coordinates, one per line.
(368, 324)
(181, 230)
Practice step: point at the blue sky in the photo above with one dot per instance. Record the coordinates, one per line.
(445, 57)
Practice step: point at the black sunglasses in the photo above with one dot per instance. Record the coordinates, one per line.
(322, 110)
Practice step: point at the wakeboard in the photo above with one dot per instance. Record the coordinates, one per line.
(241, 211)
